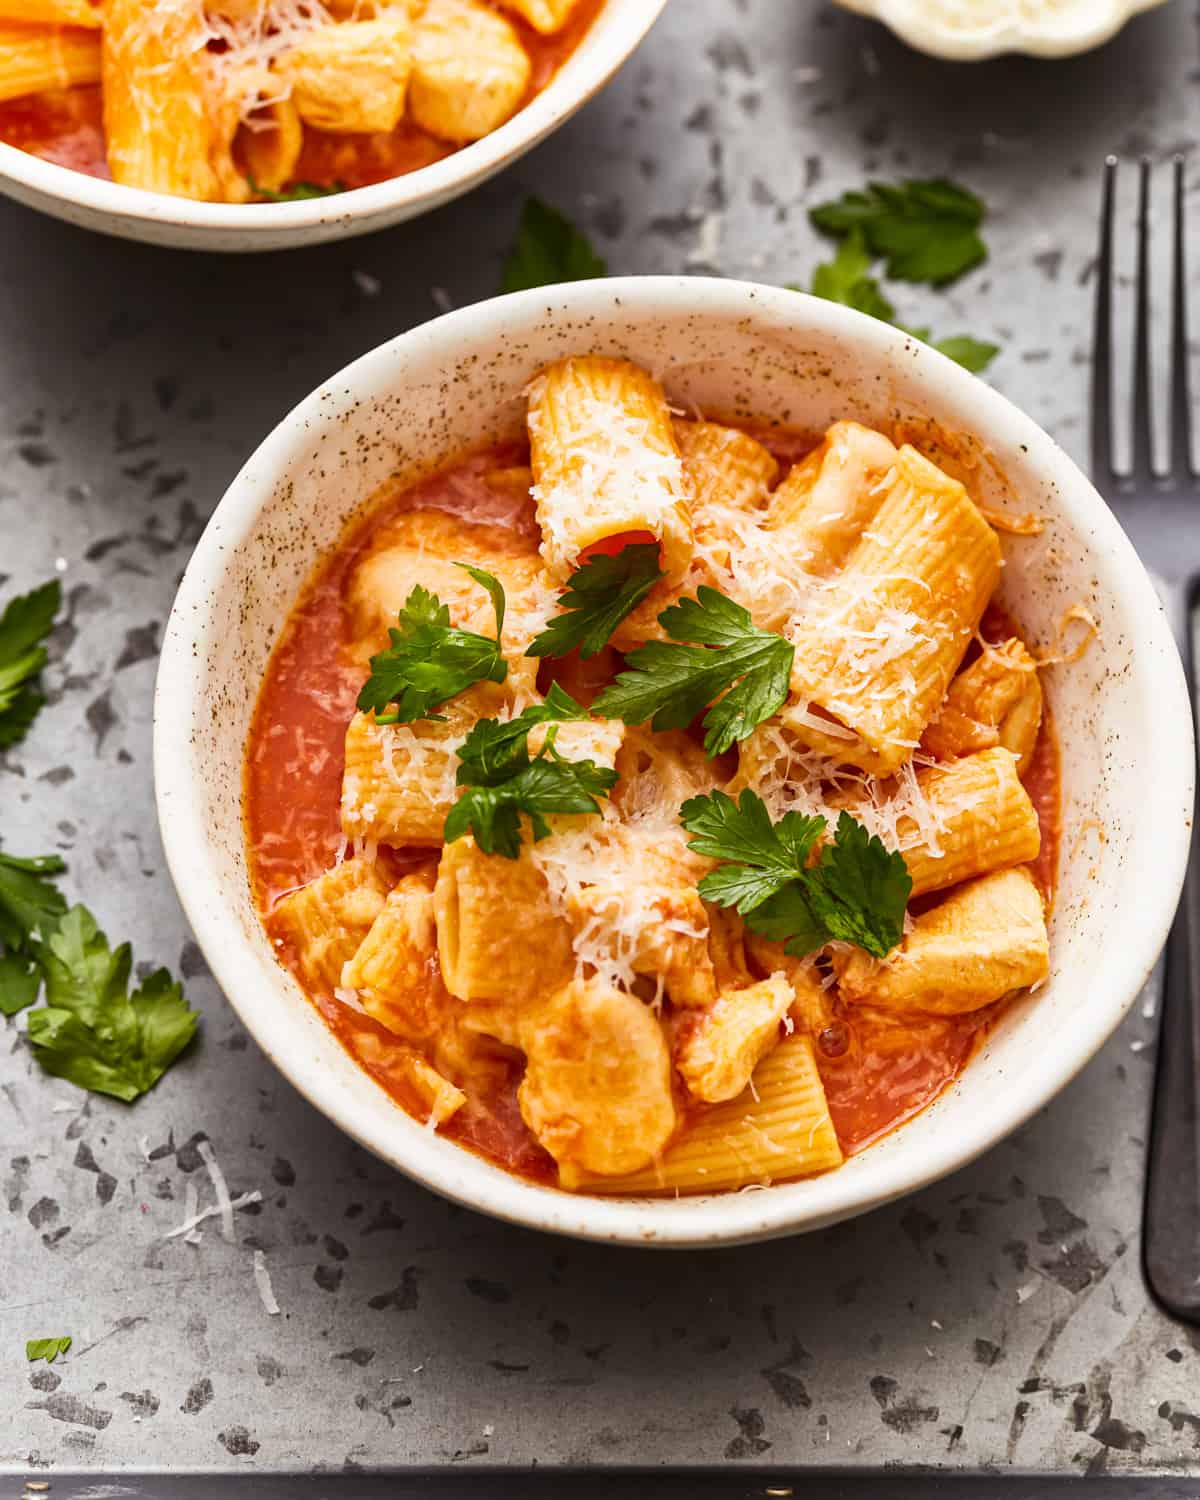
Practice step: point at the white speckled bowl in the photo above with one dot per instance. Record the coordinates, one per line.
(1077, 27)
(160, 219)
(738, 350)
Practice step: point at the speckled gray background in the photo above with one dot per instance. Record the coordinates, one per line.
(997, 1319)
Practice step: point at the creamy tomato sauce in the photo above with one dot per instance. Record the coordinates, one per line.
(66, 126)
(876, 1073)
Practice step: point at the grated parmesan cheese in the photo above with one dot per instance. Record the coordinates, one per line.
(194, 1217)
(220, 1188)
(262, 1280)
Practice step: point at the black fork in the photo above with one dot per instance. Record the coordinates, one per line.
(1171, 1229)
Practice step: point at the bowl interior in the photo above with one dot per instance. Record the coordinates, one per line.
(161, 219)
(734, 350)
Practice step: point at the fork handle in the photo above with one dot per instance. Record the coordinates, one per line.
(1171, 1227)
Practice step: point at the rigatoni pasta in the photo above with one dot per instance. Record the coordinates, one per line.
(225, 101)
(738, 832)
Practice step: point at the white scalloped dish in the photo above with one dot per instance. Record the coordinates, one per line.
(970, 30)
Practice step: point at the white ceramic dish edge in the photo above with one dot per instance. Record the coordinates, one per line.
(1145, 853)
(1091, 24)
(159, 219)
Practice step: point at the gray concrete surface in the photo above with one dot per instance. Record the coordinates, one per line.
(998, 1319)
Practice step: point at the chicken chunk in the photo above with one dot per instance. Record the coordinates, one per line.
(985, 940)
(812, 1001)
(718, 1050)
(597, 1088)
(825, 502)
(546, 16)
(997, 700)
(328, 918)
(352, 75)
(470, 71)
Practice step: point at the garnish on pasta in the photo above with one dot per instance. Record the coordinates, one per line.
(501, 780)
(598, 596)
(430, 660)
(726, 658)
(856, 892)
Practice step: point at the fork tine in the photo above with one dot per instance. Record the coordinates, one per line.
(1142, 437)
(1181, 406)
(1102, 451)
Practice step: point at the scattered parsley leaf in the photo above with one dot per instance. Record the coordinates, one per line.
(597, 598)
(671, 683)
(30, 907)
(855, 893)
(847, 279)
(501, 781)
(91, 1031)
(973, 354)
(548, 250)
(430, 660)
(47, 1349)
(926, 230)
(26, 622)
(298, 191)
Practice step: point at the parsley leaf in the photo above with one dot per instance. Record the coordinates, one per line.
(430, 660)
(597, 598)
(47, 1349)
(298, 192)
(859, 890)
(30, 907)
(763, 857)
(973, 354)
(548, 250)
(847, 279)
(92, 1031)
(926, 230)
(502, 781)
(26, 622)
(855, 893)
(489, 751)
(670, 684)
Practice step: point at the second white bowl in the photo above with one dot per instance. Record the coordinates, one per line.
(159, 219)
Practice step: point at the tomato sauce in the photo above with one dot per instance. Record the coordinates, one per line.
(885, 1073)
(66, 126)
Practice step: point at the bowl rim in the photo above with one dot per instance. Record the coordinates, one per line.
(1028, 37)
(1165, 790)
(615, 33)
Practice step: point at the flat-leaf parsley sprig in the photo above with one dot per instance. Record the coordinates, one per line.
(548, 250)
(30, 908)
(926, 230)
(728, 658)
(856, 892)
(598, 596)
(92, 1031)
(26, 622)
(500, 779)
(429, 660)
